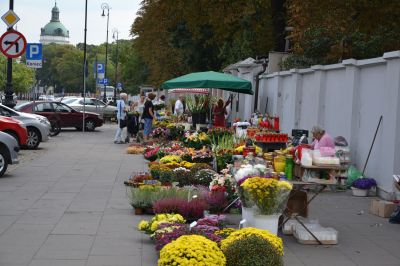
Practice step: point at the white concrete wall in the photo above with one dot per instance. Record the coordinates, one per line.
(347, 99)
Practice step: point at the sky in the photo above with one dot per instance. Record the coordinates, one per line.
(35, 14)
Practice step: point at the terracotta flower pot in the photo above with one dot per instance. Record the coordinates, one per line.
(138, 211)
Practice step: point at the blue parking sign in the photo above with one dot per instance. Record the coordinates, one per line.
(34, 51)
(105, 81)
(34, 55)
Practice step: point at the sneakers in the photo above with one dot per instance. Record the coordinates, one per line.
(118, 142)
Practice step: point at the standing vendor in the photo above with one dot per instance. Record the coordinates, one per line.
(220, 112)
(321, 139)
(179, 108)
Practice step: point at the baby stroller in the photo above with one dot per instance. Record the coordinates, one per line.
(133, 125)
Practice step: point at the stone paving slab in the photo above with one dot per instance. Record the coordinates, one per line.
(66, 204)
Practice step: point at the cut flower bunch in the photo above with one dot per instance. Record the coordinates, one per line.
(268, 194)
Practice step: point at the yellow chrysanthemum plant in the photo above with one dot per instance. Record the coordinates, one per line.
(191, 250)
(170, 158)
(252, 246)
(164, 218)
(268, 194)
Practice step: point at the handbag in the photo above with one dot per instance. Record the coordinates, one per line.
(122, 122)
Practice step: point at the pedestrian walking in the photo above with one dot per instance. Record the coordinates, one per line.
(121, 118)
(148, 115)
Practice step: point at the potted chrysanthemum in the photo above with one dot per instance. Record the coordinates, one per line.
(361, 186)
(270, 196)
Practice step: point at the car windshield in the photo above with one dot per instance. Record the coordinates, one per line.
(68, 101)
(62, 108)
(21, 106)
(4, 111)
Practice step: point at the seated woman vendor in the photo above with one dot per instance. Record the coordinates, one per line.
(321, 139)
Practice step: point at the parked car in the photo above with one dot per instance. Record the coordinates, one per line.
(38, 126)
(46, 97)
(61, 115)
(15, 128)
(92, 105)
(8, 151)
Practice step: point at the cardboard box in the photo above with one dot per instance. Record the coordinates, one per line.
(382, 208)
(374, 207)
(386, 208)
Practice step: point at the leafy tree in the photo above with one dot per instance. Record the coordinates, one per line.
(343, 29)
(175, 37)
(23, 77)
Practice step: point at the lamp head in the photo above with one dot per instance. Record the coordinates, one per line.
(103, 15)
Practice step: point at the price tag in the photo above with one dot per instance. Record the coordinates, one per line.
(150, 182)
(242, 223)
(192, 225)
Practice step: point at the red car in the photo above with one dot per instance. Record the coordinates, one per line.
(61, 115)
(15, 128)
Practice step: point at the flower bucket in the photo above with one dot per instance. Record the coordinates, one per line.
(248, 215)
(359, 192)
(267, 222)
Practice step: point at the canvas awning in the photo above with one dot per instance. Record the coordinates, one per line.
(209, 79)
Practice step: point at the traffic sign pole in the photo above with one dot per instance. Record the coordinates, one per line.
(8, 100)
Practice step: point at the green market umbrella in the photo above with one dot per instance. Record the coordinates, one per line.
(209, 79)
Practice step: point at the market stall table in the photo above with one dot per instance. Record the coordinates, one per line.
(299, 171)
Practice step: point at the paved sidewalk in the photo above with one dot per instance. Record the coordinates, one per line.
(68, 206)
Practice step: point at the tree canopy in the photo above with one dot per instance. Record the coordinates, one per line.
(331, 30)
(23, 77)
(176, 37)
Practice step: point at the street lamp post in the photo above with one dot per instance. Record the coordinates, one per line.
(105, 6)
(115, 37)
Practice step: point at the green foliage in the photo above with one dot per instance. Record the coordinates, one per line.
(176, 37)
(63, 66)
(252, 251)
(338, 30)
(23, 76)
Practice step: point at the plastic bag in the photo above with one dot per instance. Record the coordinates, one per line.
(352, 174)
(395, 217)
(341, 141)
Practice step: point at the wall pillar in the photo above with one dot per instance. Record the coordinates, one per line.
(392, 115)
(352, 77)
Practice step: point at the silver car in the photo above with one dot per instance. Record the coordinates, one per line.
(9, 149)
(92, 105)
(38, 126)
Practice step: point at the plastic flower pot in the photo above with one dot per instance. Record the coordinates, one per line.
(359, 192)
(267, 222)
(138, 211)
(248, 215)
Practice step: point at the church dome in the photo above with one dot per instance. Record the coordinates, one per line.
(54, 31)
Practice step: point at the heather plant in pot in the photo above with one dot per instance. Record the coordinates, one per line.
(361, 186)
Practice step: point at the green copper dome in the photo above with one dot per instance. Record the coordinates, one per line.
(54, 27)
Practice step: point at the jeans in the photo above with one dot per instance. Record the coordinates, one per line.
(148, 122)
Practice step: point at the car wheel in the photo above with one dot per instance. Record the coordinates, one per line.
(3, 161)
(90, 125)
(33, 138)
(55, 129)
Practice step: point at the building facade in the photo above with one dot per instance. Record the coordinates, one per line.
(54, 31)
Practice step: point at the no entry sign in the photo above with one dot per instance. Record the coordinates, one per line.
(12, 44)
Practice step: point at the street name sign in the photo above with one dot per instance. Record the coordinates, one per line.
(12, 44)
(34, 55)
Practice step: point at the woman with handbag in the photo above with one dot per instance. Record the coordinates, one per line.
(121, 118)
(148, 115)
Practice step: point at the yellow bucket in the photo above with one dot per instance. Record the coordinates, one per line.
(279, 164)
